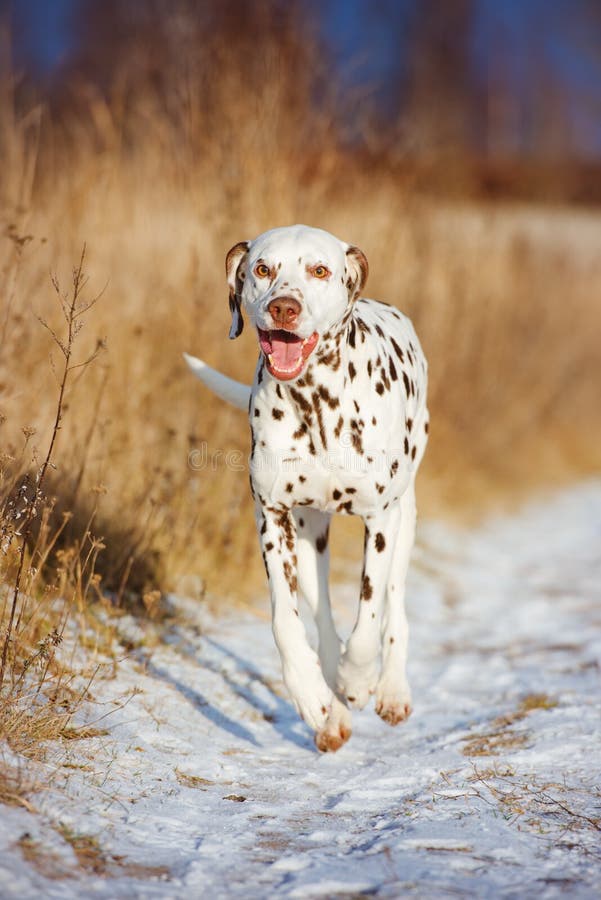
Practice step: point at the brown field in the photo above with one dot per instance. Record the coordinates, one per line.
(505, 299)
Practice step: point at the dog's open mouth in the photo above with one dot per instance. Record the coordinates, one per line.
(286, 353)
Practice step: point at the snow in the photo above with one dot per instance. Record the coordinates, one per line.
(208, 785)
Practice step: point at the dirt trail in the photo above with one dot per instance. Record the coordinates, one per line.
(208, 785)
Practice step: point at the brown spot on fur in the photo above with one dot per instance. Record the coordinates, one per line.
(357, 442)
(284, 522)
(302, 429)
(301, 400)
(290, 576)
(397, 350)
(277, 413)
(318, 413)
(351, 334)
(331, 359)
(380, 541)
(322, 542)
(367, 590)
(325, 395)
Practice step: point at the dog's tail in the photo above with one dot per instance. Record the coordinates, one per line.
(231, 391)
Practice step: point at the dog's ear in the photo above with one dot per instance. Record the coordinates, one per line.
(234, 270)
(357, 270)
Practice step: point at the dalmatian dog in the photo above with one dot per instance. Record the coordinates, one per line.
(339, 424)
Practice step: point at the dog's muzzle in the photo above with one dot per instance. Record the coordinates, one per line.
(286, 353)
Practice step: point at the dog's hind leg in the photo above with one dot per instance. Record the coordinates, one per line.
(393, 696)
(359, 667)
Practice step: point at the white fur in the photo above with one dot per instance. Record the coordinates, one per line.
(347, 435)
(229, 390)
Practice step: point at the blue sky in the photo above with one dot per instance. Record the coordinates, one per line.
(43, 31)
(368, 48)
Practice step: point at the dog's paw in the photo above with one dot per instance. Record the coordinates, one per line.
(356, 683)
(393, 704)
(337, 729)
(311, 696)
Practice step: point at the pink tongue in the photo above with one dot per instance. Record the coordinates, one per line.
(286, 353)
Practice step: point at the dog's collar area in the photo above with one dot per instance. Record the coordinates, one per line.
(286, 353)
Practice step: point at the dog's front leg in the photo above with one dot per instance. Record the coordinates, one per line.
(359, 667)
(300, 664)
(313, 567)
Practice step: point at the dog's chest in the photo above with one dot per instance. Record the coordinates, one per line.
(339, 445)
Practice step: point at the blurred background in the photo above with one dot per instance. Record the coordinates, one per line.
(457, 142)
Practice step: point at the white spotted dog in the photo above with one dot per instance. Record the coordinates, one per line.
(339, 424)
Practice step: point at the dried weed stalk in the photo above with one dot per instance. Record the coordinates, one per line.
(39, 581)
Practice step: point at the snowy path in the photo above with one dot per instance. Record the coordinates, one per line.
(209, 786)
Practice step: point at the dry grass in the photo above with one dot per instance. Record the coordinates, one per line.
(46, 584)
(89, 857)
(501, 736)
(547, 807)
(160, 185)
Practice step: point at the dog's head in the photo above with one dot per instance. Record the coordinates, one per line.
(295, 284)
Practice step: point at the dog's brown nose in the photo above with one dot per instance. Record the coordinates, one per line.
(284, 311)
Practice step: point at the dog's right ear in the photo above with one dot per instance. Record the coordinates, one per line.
(234, 270)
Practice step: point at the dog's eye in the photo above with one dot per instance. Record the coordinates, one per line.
(261, 270)
(319, 272)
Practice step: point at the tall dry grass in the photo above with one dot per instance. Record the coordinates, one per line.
(46, 585)
(160, 178)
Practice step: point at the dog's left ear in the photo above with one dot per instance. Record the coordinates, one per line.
(357, 270)
(234, 270)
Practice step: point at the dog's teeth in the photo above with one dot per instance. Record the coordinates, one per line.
(270, 358)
